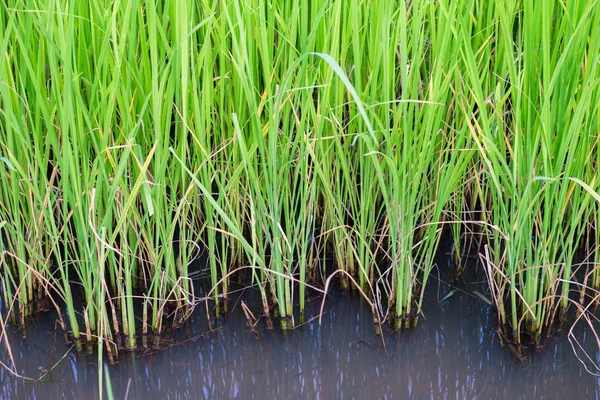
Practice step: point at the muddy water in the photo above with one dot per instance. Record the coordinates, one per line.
(454, 353)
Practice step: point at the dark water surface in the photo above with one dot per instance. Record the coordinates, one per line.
(453, 354)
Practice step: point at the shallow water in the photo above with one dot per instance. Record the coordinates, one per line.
(453, 354)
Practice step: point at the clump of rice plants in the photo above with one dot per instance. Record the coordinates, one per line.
(535, 126)
(89, 200)
(276, 136)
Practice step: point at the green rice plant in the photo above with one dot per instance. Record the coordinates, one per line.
(28, 175)
(429, 152)
(90, 166)
(534, 129)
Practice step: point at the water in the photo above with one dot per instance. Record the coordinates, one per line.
(453, 354)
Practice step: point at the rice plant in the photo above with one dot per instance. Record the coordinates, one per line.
(535, 127)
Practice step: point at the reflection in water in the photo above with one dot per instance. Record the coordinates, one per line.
(453, 353)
